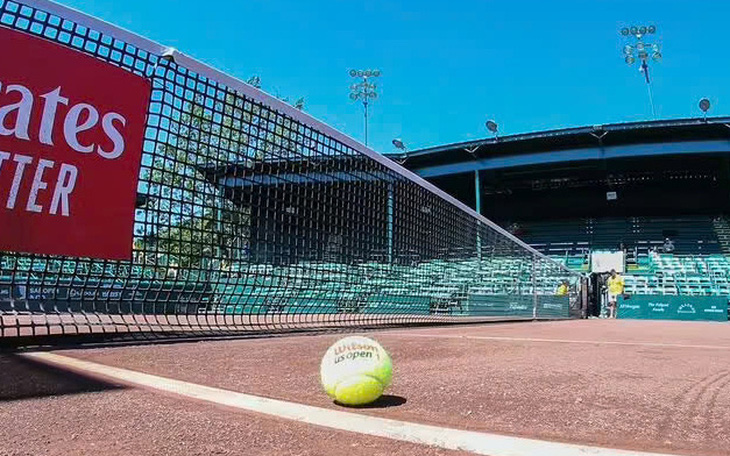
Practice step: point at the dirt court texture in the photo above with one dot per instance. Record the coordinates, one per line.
(653, 386)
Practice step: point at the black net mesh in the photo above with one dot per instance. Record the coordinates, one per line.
(248, 219)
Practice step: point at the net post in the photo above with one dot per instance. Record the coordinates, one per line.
(584, 297)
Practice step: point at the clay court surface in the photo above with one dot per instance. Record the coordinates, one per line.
(661, 387)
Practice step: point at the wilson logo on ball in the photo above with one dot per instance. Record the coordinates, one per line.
(356, 371)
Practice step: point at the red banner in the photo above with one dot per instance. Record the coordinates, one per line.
(71, 132)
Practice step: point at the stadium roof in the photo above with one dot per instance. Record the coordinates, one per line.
(295, 170)
(664, 137)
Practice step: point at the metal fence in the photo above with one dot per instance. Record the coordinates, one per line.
(253, 216)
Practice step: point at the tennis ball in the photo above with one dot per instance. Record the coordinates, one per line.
(356, 371)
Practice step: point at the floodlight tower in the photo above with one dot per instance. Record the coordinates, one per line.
(493, 128)
(364, 90)
(642, 50)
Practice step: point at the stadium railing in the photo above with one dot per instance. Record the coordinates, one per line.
(253, 216)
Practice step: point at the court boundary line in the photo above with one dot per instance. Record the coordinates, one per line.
(442, 437)
(560, 341)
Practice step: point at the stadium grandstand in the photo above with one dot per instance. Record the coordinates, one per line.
(656, 192)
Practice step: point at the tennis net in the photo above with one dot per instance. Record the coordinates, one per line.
(253, 216)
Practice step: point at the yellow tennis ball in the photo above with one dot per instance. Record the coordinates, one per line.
(356, 371)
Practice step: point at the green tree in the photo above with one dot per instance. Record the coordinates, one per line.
(255, 81)
(189, 218)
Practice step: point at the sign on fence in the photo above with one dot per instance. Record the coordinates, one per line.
(71, 132)
(518, 305)
(657, 307)
(107, 297)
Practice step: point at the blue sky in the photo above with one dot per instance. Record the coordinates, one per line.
(447, 67)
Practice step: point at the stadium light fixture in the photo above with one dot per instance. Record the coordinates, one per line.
(643, 51)
(364, 89)
(399, 144)
(492, 127)
(704, 107)
(704, 104)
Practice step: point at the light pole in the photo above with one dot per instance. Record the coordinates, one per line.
(642, 50)
(364, 89)
(494, 129)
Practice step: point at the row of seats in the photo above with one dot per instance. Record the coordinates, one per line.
(698, 275)
(639, 235)
(446, 280)
(696, 267)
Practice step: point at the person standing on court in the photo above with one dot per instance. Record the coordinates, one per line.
(615, 288)
(563, 288)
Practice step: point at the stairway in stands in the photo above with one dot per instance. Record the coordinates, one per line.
(722, 228)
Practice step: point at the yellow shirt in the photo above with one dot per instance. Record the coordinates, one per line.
(562, 290)
(616, 285)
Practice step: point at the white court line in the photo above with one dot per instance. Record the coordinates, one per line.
(561, 341)
(446, 438)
